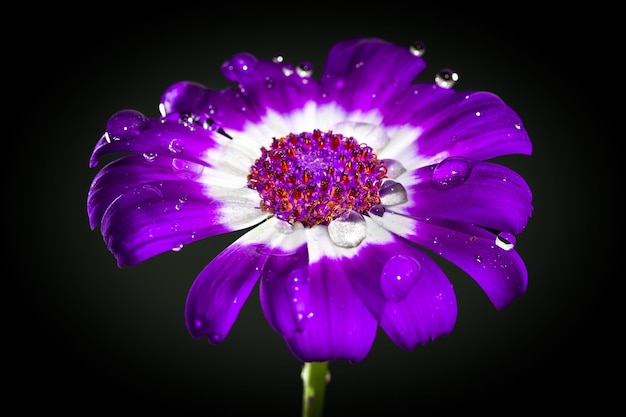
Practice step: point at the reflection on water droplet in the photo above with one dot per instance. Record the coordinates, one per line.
(392, 193)
(176, 146)
(347, 231)
(305, 69)
(177, 248)
(185, 169)
(446, 78)
(394, 168)
(149, 156)
(452, 172)
(417, 48)
(378, 210)
(399, 275)
(478, 259)
(505, 240)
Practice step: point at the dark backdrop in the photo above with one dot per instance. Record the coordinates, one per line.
(89, 336)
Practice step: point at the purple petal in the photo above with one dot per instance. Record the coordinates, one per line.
(166, 215)
(337, 325)
(403, 288)
(207, 107)
(477, 125)
(131, 171)
(496, 267)
(459, 189)
(365, 74)
(130, 131)
(267, 84)
(426, 303)
(220, 291)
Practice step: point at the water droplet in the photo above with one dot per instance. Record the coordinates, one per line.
(417, 48)
(452, 172)
(394, 168)
(305, 69)
(288, 70)
(392, 193)
(478, 259)
(505, 240)
(176, 146)
(399, 275)
(177, 248)
(378, 210)
(347, 231)
(278, 59)
(186, 170)
(215, 338)
(284, 227)
(149, 156)
(243, 63)
(446, 78)
(126, 124)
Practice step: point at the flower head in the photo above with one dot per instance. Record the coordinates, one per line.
(343, 181)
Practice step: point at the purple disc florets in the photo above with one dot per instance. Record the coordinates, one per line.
(313, 178)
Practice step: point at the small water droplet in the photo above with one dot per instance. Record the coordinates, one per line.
(394, 168)
(243, 63)
(347, 231)
(215, 338)
(186, 169)
(417, 48)
(398, 276)
(176, 146)
(149, 156)
(478, 259)
(378, 210)
(177, 248)
(278, 59)
(505, 240)
(288, 70)
(284, 227)
(446, 78)
(392, 193)
(452, 172)
(305, 69)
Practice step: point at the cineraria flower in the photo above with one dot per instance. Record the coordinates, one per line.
(346, 184)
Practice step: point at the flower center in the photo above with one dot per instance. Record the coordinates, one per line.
(313, 178)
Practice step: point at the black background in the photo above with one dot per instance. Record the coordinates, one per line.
(89, 336)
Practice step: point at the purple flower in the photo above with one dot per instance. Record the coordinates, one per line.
(342, 181)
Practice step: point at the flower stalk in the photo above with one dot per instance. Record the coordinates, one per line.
(315, 376)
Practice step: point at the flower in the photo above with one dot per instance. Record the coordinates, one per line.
(345, 184)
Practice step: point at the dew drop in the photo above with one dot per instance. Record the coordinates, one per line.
(149, 156)
(478, 259)
(243, 63)
(347, 231)
(446, 78)
(394, 168)
(452, 172)
(177, 248)
(176, 146)
(215, 338)
(399, 275)
(392, 193)
(417, 48)
(305, 69)
(505, 240)
(378, 210)
(126, 124)
(186, 170)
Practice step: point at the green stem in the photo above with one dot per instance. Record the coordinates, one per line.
(315, 377)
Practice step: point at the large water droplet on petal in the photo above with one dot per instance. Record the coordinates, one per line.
(347, 231)
(399, 275)
(452, 172)
(126, 124)
(186, 170)
(176, 146)
(392, 193)
(446, 78)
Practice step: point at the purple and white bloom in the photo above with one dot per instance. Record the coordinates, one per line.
(343, 182)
